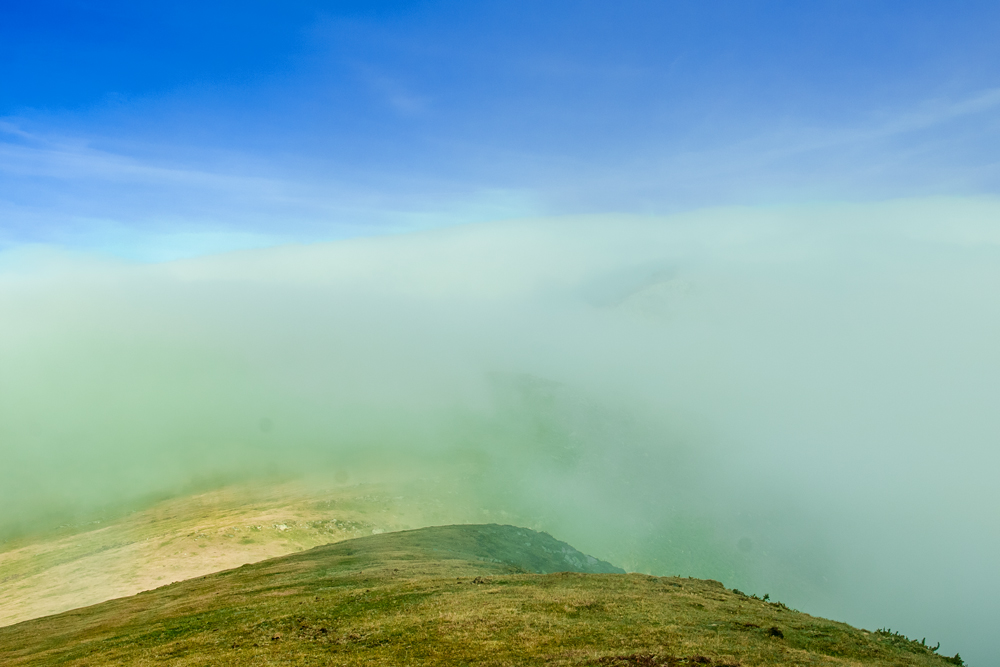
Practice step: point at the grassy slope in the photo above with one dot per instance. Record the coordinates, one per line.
(53, 571)
(452, 595)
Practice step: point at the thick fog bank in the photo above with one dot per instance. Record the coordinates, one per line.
(803, 402)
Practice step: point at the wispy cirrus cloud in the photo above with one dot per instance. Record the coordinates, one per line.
(60, 190)
(64, 189)
(395, 93)
(932, 146)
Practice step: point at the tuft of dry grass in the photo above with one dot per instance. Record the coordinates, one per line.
(454, 595)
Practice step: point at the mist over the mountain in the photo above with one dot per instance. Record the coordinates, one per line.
(796, 401)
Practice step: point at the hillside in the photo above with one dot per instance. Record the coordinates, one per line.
(135, 549)
(452, 595)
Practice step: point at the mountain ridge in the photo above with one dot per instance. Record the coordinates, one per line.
(446, 595)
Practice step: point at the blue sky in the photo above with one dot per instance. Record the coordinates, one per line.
(159, 130)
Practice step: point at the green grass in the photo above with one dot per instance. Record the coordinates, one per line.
(191, 535)
(455, 595)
